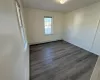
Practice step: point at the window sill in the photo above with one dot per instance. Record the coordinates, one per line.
(48, 34)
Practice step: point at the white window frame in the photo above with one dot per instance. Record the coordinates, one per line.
(51, 25)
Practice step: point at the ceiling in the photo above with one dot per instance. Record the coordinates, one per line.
(54, 5)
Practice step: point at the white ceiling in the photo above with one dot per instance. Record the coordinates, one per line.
(54, 5)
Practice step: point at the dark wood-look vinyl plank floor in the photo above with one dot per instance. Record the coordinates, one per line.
(60, 60)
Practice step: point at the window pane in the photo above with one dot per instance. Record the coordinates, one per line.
(48, 25)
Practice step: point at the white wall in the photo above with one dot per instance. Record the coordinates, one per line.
(14, 59)
(82, 28)
(81, 25)
(96, 44)
(35, 25)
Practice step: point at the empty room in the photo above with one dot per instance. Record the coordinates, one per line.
(49, 39)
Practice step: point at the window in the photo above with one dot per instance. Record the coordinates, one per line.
(48, 25)
(19, 16)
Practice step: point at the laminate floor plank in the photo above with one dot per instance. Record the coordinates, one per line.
(60, 61)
